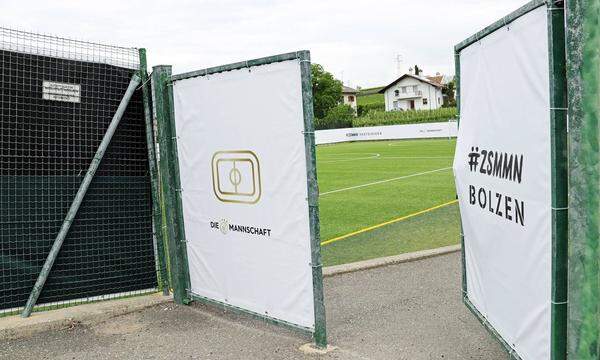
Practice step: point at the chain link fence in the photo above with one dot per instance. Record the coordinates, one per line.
(57, 98)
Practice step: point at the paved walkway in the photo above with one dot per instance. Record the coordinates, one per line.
(408, 311)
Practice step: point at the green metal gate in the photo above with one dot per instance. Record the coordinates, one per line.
(57, 99)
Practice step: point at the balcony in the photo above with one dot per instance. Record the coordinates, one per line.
(408, 95)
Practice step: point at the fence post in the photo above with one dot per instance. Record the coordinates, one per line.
(558, 133)
(170, 186)
(463, 260)
(157, 224)
(320, 334)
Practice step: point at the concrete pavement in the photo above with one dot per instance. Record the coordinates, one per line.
(406, 311)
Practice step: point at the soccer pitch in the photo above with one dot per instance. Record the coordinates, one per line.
(389, 187)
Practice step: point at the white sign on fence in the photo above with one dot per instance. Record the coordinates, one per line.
(443, 129)
(503, 179)
(244, 189)
(57, 91)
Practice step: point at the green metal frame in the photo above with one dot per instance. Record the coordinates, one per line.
(241, 311)
(558, 132)
(527, 8)
(320, 334)
(157, 223)
(583, 70)
(169, 184)
(558, 129)
(303, 57)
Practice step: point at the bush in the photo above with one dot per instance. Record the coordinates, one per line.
(377, 118)
(338, 117)
(364, 109)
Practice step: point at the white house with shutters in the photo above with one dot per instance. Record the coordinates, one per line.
(411, 92)
(349, 96)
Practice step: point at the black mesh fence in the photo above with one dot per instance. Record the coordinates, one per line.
(57, 97)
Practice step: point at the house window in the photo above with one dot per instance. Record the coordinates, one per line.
(350, 98)
(403, 89)
(397, 92)
(396, 104)
(439, 101)
(415, 88)
(424, 101)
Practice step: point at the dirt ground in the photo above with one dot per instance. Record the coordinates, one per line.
(408, 311)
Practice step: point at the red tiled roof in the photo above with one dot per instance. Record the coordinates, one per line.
(436, 79)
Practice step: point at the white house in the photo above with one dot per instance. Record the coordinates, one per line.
(349, 95)
(411, 92)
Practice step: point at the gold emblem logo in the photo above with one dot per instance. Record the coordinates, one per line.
(236, 176)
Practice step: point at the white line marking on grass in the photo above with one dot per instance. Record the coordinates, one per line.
(384, 157)
(412, 143)
(384, 181)
(416, 157)
(374, 156)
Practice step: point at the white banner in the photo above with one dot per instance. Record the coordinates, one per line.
(503, 177)
(244, 188)
(444, 129)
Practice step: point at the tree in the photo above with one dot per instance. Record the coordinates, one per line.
(448, 91)
(327, 91)
(338, 117)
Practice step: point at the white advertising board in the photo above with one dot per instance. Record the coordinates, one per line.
(243, 170)
(503, 177)
(443, 129)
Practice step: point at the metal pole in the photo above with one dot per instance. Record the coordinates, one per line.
(320, 334)
(558, 125)
(152, 168)
(60, 238)
(462, 235)
(169, 174)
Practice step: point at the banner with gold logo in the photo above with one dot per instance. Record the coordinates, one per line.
(241, 142)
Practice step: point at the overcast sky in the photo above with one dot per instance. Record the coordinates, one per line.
(358, 41)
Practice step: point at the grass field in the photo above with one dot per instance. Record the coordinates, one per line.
(370, 99)
(370, 96)
(363, 184)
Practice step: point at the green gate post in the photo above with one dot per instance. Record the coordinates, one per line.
(558, 133)
(320, 334)
(171, 188)
(583, 70)
(157, 223)
(463, 265)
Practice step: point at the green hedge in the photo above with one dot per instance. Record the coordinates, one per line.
(377, 118)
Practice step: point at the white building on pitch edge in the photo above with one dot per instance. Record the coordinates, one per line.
(411, 92)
